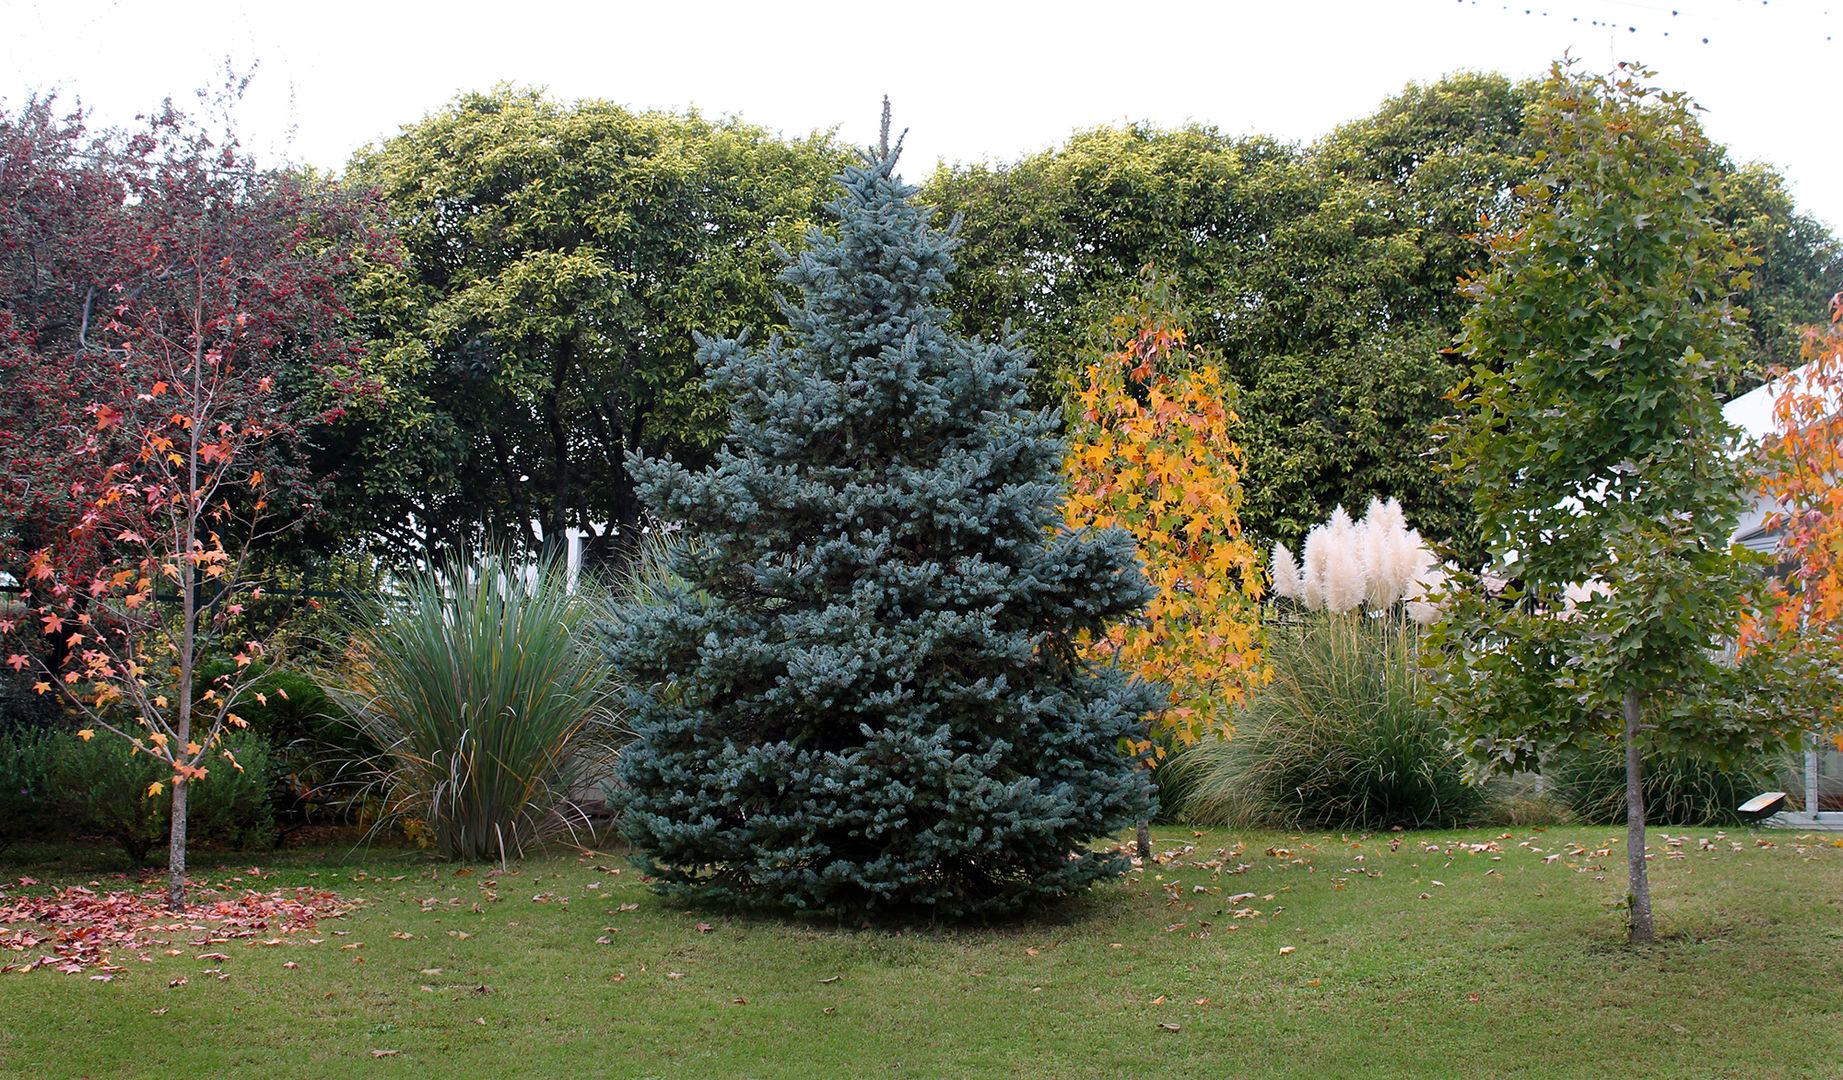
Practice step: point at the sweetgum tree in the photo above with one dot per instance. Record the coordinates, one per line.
(864, 692)
(160, 289)
(1153, 453)
(1591, 437)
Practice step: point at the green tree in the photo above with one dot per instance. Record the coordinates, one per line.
(557, 258)
(1591, 439)
(867, 691)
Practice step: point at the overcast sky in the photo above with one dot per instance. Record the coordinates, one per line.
(970, 79)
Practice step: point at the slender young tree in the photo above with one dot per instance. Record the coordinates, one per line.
(1591, 436)
(865, 692)
(190, 286)
(1153, 452)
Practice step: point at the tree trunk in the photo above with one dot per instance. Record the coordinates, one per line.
(176, 848)
(1640, 879)
(1143, 834)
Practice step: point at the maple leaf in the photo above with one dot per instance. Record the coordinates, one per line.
(18, 662)
(86, 734)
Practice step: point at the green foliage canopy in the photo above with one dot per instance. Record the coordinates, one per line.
(1323, 275)
(557, 259)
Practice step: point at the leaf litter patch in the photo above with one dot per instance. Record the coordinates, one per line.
(78, 930)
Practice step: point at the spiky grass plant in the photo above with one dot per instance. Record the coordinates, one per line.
(474, 680)
(1337, 738)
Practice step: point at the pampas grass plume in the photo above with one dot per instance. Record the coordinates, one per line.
(1286, 578)
(1343, 586)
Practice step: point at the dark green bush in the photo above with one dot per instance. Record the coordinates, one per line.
(98, 787)
(315, 749)
(1679, 789)
(24, 709)
(1337, 740)
(26, 811)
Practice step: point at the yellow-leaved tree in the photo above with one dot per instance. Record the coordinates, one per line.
(1151, 451)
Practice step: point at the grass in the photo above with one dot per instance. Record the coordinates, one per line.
(1403, 963)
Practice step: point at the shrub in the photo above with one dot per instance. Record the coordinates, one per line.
(314, 744)
(490, 714)
(1337, 739)
(99, 787)
(1679, 788)
(26, 784)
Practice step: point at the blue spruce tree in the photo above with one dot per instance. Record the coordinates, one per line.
(861, 693)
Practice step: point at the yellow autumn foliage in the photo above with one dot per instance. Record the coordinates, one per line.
(1152, 452)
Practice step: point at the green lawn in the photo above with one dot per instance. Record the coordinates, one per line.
(1349, 958)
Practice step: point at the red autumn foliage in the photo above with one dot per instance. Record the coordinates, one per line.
(77, 929)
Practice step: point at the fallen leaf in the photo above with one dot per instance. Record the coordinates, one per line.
(1170, 1027)
(1159, 1000)
(830, 979)
(291, 964)
(385, 1053)
(1287, 948)
(705, 928)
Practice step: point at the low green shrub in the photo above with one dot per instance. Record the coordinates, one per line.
(315, 747)
(1338, 739)
(1679, 789)
(98, 787)
(490, 712)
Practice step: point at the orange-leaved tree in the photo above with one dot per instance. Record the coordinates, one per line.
(1803, 474)
(1152, 452)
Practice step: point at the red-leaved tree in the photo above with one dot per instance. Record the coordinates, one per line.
(173, 313)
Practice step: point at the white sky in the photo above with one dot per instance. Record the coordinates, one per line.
(970, 80)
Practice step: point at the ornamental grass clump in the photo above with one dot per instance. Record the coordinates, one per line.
(1338, 737)
(1679, 788)
(490, 712)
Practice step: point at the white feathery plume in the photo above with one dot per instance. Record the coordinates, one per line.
(1317, 555)
(1286, 578)
(1343, 585)
(1373, 540)
(1427, 582)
